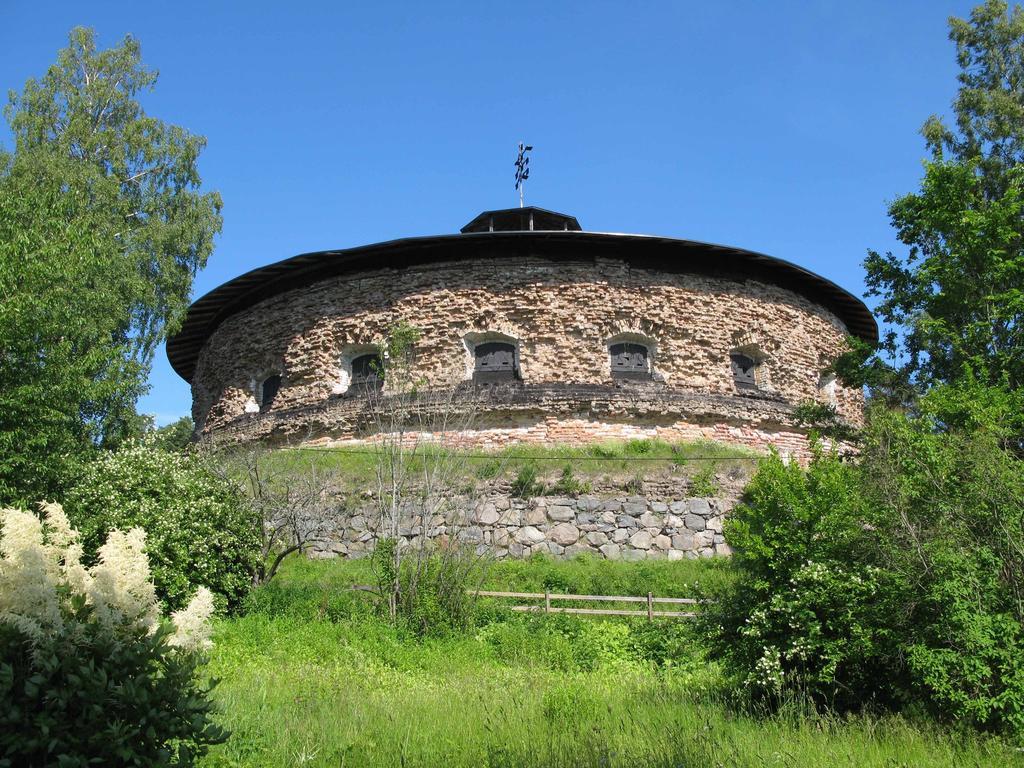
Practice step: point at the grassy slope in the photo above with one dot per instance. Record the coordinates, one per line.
(312, 677)
(609, 461)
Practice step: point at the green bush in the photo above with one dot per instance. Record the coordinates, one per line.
(525, 484)
(93, 700)
(200, 532)
(568, 484)
(703, 483)
(429, 594)
(802, 613)
(897, 578)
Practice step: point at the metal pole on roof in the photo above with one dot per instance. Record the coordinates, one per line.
(522, 169)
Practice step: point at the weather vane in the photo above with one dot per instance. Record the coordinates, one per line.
(522, 169)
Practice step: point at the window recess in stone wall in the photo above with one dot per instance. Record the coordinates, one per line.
(744, 370)
(827, 386)
(629, 360)
(494, 361)
(359, 371)
(367, 373)
(267, 390)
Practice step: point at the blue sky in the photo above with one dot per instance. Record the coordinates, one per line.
(782, 127)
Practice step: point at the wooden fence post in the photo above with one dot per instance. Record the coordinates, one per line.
(650, 606)
(547, 600)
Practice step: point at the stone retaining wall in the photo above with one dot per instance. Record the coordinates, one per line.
(624, 527)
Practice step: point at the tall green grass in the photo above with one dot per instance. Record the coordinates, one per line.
(612, 459)
(312, 676)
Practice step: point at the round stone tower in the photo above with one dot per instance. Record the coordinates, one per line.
(577, 336)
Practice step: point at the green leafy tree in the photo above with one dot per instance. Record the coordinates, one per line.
(102, 228)
(67, 379)
(176, 436)
(86, 109)
(956, 298)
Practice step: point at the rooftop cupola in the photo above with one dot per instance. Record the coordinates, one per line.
(527, 219)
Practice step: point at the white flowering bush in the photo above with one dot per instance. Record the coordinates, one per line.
(199, 529)
(90, 672)
(806, 614)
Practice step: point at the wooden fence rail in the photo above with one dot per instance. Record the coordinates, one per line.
(650, 600)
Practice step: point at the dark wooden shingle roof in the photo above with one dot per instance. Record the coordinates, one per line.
(663, 253)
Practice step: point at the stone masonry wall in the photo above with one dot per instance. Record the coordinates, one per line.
(623, 527)
(561, 315)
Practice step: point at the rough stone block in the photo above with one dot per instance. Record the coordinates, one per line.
(662, 542)
(578, 549)
(694, 522)
(649, 520)
(501, 537)
(487, 514)
(658, 507)
(561, 513)
(641, 540)
(510, 516)
(597, 538)
(564, 534)
(471, 535)
(611, 551)
(683, 541)
(535, 516)
(529, 535)
(699, 507)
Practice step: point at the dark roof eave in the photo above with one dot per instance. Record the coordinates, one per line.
(207, 312)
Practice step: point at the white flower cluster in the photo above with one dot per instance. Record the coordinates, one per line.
(41, 576)
(767, 672)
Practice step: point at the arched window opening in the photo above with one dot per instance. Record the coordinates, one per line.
(268, 390)
(827, 387)
(367, 372)
(494, 361)
(629, 361)
(744, 370)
